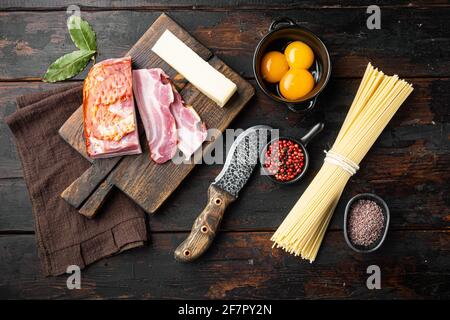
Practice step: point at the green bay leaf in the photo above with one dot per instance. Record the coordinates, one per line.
(68, 65)
(82, 34)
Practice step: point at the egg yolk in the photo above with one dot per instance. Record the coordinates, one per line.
(299, 55)
(296, 83)
(273, 66)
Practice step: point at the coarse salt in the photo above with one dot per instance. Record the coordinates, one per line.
(365, 223)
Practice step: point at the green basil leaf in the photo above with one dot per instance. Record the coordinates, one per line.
(68, 65)
(82, 34)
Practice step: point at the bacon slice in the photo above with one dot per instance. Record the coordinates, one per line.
(168, 122)
(110, 127)
(190, 128)
(154, 96)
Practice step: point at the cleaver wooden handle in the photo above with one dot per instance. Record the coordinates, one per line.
(77, 193)
(205, 226)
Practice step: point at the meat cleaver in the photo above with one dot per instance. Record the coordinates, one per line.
(239, 164)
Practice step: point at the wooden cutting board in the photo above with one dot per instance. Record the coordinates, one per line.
(147, 183)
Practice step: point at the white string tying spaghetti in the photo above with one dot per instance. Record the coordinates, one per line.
(375, 103)
(341, 161)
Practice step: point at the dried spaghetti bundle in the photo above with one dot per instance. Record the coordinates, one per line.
(378, 98)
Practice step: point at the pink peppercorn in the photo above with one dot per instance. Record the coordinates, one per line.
(284, 159)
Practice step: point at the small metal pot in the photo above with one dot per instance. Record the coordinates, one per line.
(302, 143)
(386, 214)
(281, 32)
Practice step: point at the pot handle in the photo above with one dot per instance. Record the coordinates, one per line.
(285, 20)
(312, 133)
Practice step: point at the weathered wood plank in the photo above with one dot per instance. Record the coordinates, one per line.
(15, 208)
(82, 188)
(96, 200)
(408, 166)
(206, 4)
(411, 41)
(414, 264)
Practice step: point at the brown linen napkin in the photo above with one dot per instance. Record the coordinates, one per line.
(64, 237)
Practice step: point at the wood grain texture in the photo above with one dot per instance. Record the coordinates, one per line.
(72, 130)
(411, 41)
(96, 200)
(241, 265)
(408, 166)
(262, 5)
(85, 185)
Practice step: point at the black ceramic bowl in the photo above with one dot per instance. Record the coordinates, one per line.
(296, 178)
(386, 214)
(282, 32)
(302, 143)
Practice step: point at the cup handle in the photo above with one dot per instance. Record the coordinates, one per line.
(311, 103)
(284, 20)
(312, 133)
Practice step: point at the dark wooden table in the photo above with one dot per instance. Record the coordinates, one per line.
(408, 166)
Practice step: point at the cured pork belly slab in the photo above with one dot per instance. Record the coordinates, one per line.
(109, 115)
(154, 95)
(168, 123)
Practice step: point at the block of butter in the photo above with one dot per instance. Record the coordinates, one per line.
(197, 71)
